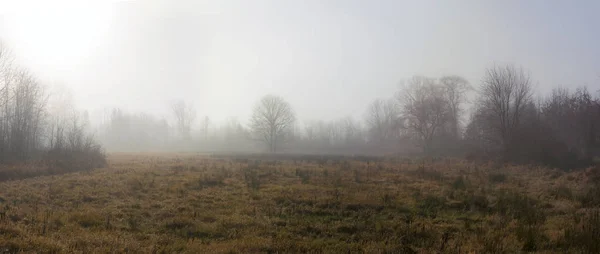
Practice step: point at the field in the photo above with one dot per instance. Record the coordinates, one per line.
(191, 203)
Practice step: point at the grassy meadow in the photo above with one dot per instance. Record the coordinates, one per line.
(192, 203)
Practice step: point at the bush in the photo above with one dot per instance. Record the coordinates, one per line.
(74, 151)
(56, 161)
(68, 160)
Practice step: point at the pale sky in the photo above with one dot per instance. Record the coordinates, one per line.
(329, 59)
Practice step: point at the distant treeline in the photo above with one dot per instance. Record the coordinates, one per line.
(427, 116)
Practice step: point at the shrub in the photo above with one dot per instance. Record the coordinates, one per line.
(75, 151)
(57, 161)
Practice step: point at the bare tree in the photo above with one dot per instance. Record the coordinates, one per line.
(574, 119)
(505, 92)
(60, 110)
(28, 130)
(184, 117)
(6, 72)
(271, 120)
(425, 108)
(383, 120)
(353, 133)
(26, 114)
(6, 65)
(455, 89)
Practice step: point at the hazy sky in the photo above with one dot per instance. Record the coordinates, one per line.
(327, 58)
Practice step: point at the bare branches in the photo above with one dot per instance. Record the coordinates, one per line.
(505, 91)
(31, 125)
(455, 90)
(425, 108)
(184, 117)
(383, 119)
(272, 119)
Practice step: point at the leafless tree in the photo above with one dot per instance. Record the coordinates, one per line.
(455, 89)
(271, 120)
(60, 112)
(29, 127)
(26, 114)
(574, 119)
(6, 72)
(383, 120)
(185, 115)
(425, 108)
(505, 91)
(353, 132)
(343, 135)
(6, 66)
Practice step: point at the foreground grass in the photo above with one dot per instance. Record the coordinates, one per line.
(165, 203)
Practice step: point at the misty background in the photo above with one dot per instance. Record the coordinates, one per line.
(328, 59)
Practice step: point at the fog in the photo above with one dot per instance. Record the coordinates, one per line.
(327, 59)
(299, 126)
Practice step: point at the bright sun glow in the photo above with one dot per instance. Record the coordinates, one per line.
(55, 34)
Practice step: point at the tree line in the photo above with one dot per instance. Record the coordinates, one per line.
(34, 126)
(427, 116)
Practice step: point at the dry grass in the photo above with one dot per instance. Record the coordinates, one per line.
(192, 203)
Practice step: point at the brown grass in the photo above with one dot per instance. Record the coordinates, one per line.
(195, 203)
